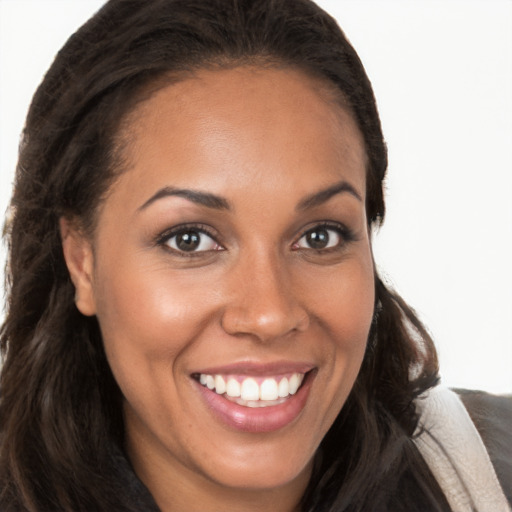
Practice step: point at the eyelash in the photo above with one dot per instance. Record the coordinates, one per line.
(164, 238)
(346, 236)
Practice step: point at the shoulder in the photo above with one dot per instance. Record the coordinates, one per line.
(492, 416)
(460, 439)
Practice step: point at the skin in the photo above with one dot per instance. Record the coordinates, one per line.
(263, 140)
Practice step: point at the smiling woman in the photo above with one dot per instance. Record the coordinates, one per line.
(195, 319)
(238, 272)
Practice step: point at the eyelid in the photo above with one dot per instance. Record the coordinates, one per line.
(346, 234)
(163, 238)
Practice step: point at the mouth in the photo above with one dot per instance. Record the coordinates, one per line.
(255, 402)
(249, 391)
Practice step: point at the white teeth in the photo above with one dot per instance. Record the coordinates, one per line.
(220, 385)
(250, 390)
(294, 384)
(210, 382)
(233, 388)
(283, 390)
(268, 390)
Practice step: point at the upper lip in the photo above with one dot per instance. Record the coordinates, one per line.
(253, 368)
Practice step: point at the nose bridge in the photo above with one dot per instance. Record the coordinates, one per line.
(263, 302)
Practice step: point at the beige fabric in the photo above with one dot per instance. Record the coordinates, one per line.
(456, 455)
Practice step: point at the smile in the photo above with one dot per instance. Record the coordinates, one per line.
(251, 391)
(256, 399)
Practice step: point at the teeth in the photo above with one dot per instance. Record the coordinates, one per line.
(250, 390)
(270, 391)
(233, 388)
(220, 385)
(293, 384)
(210, 382)
(283, 389)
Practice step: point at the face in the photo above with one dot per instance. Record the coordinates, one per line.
(232, 277)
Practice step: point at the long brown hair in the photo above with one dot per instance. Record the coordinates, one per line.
(61, 425)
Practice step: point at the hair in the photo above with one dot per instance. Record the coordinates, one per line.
(61, 422)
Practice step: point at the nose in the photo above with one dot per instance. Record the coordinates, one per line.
(263, 303)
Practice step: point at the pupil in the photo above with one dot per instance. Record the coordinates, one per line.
(188, 241)
(318, 239)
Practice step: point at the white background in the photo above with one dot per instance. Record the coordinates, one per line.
(442, 73)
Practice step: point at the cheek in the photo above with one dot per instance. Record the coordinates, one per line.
(355, 306)
(342, 299)
(148, 315)
(149, 319)
(341, 303)
(343, 306)
(355, 296)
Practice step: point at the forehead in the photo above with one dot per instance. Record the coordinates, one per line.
(276, 124)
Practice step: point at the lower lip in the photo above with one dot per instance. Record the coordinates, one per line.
(257, 419)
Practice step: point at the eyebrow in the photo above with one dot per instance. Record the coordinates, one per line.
(203, 198)
(318, 198)
(219, 203)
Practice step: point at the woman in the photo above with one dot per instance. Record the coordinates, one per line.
(195, 321)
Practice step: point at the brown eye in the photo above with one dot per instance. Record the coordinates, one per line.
(192, 240)
(320, 238)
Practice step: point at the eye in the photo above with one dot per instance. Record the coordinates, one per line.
(190, 240)
(322, 237)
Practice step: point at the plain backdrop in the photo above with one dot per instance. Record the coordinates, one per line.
(442, 74)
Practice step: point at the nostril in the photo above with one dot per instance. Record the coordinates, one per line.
(264, 324)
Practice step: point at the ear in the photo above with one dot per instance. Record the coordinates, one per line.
(79, 258)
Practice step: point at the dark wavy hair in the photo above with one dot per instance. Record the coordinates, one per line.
(60, 408)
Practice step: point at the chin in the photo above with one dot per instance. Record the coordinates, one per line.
(260, 475)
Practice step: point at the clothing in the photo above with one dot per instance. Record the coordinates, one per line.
(456, 454)
(492, 416)
(465, 438)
